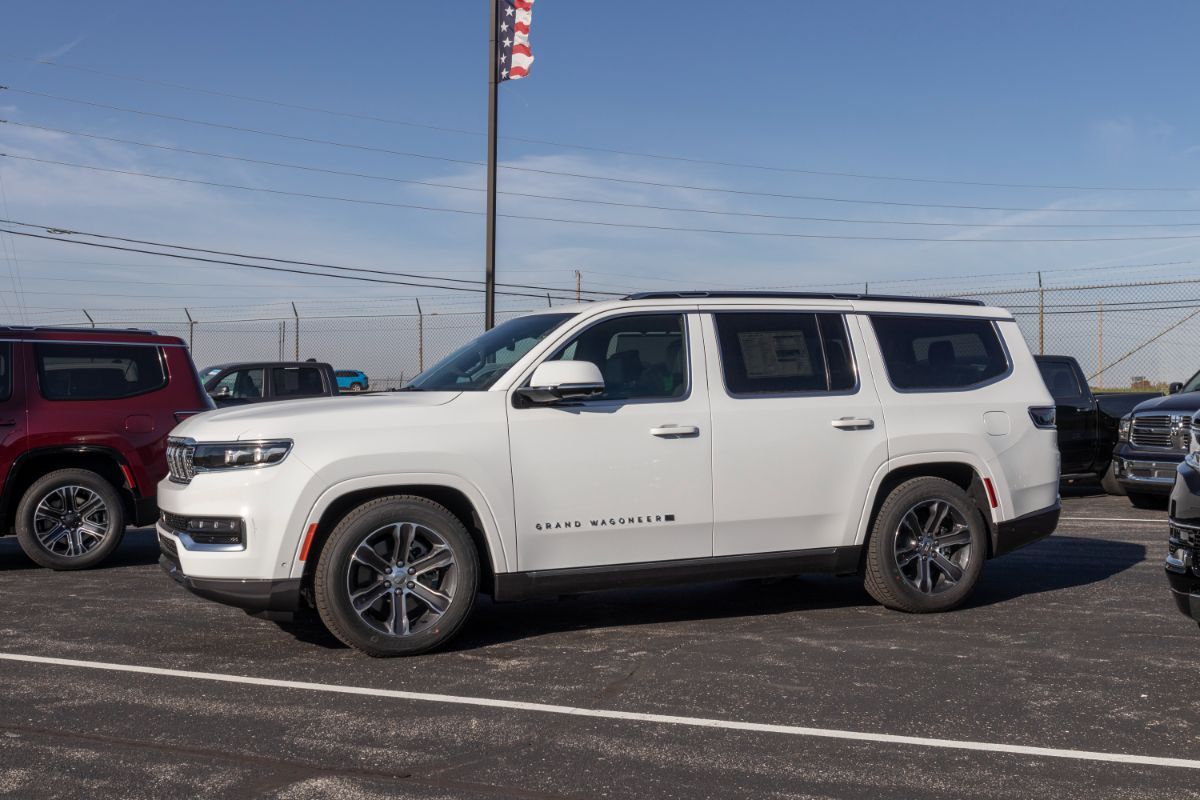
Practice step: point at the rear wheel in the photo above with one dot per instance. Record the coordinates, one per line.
(397, 577)
(927, 547)
(1150, 501)
(70, 519)
(356, 387)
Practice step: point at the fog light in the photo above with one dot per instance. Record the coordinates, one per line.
(226, 531)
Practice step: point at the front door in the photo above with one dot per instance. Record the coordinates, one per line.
(13, 419)
(798, 430)
(625, 477)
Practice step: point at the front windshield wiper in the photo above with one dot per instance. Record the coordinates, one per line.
(410, 388)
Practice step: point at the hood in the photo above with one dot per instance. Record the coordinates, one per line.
(1183, 403)
(286, 418)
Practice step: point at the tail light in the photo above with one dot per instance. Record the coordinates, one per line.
(180, 416)
(1043, 416)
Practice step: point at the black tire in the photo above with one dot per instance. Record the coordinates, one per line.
(888, 581)
(1110, 484)
(1147, 501)
(337, 572)
(96, 536)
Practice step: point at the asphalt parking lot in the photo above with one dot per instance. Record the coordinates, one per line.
(788, 688)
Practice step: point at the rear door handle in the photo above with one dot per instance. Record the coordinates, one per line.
(853, 423)
(675, 431)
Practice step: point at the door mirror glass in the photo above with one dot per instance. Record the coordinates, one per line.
(555, 381)
(222, 392)
(1175, 388)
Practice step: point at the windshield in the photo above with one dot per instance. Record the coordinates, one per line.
(478, 364)
(1193, 385)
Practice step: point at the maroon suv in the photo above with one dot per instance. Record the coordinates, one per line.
(84, 418)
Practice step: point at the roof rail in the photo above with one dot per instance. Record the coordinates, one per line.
(73, 329)
(888, 298)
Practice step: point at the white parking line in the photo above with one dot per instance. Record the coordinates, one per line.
(630, 716)
(1113, 519)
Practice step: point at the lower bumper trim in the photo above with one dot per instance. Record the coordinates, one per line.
(1016, 533)
(271, 598)
(1185, 589)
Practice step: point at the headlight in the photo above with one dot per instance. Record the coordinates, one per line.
(1123, 428)
(233, 455)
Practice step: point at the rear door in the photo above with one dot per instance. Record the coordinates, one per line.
(1076, 414)
(291, 383)
(798, 431)
(13, 418)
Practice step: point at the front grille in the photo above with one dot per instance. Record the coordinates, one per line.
(179, 460)
(1161, 431)
(173, 521)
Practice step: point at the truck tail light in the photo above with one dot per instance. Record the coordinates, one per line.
(180, 416)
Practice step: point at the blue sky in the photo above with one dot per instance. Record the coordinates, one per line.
(1068, 93)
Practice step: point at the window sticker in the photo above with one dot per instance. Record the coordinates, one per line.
(775, 354)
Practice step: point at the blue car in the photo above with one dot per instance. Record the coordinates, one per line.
(352, 380)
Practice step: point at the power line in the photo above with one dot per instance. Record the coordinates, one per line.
(590, 201)
(585, 176)
(600, 223)
(271, 269)
(319, 265)
(612, 151)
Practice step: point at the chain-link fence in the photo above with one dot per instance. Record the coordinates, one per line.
(1126, 335)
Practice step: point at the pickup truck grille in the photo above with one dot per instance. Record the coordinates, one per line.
(179, 461)
(1161, 431)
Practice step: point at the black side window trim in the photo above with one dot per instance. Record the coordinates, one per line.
(853, 389)
(6, 387)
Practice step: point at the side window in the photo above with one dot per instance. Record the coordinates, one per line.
(5, 370)
(98, 371)
(1061, 380)
(296, 382)
(766, 353)
(931, 353)
(241, 384)
(641, 356)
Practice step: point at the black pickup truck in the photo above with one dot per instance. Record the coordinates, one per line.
(264, 381)
(1088, 424)
(1154, 438)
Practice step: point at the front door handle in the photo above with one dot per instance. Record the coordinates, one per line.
(853, 423)
(674, 431)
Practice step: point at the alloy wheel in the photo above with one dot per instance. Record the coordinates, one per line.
(933, 546)
(71, 521)
(401, 578)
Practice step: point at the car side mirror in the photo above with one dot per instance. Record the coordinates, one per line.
(558, 381)
(222, 393)
(1175, 388)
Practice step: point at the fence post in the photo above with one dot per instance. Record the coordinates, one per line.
(549, 302)
(191, 329)
(1041, 316)
(420, 339)
(282, 337)
(1100, 345)
(578, 285)
(296, 314)
(89, 316)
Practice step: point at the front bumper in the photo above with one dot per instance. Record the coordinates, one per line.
(276, 598)
(1182, 567)
(1026, 529)
(1144, 472)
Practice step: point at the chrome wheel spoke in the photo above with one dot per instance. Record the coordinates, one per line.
(441, 557)
(91, 506)
(404, 533)
(366, 555)
(368, 597)
(52, 537)
(958, 535)
(437, 602)
(398, 624)
(937, 515)
(905, 557)
(924, 580)
(952, 572)
(92, 530)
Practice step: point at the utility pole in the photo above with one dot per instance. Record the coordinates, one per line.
(493, 59)
(578, 285)
(420, 338)
(1041, 316)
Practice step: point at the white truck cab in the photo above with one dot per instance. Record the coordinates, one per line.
(666, 437)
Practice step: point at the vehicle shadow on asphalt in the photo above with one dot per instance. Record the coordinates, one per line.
(138, 548)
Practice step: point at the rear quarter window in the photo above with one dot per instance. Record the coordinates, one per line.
(939, 353)
(98, 371)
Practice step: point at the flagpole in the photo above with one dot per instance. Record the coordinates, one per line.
(489, 313)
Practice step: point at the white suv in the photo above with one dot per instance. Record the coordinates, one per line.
(662, 438)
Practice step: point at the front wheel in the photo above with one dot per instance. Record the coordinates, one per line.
(397, 577)
(927, 547)
(356, 387)
(70, 519)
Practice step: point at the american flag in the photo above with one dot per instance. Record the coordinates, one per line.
(512, 37)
